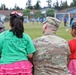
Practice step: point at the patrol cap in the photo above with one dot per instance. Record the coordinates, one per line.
(52, 21)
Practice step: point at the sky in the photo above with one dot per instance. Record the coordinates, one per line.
(22, 3)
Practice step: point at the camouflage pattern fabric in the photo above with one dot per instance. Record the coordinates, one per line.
(51, 56)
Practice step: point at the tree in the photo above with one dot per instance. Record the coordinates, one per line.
(38, 14)
(28, 3)
(30, 7)
(16, 7)
(50, 12)
(26, 12)
(54, 4)
(3, 6)
(63, 5)
(57, 5)
(74, 2)
(37, 6)
(49, 2)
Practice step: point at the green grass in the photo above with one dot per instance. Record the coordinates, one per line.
(63, 33)
(35, 30)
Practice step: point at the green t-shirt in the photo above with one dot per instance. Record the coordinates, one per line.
(15, 49)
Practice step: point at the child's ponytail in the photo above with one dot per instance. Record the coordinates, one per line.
(17, 25)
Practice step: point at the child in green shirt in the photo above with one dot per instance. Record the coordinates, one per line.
(16, 47)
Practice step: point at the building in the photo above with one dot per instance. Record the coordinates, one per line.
(6, 13)
(70, 11)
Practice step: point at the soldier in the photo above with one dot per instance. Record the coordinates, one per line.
(52, 51)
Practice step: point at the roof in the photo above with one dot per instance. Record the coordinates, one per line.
(7, 12)
(65, 10)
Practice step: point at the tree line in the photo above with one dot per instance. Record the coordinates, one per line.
(34, 11)
(57, 5)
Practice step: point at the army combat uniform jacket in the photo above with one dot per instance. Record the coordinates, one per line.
(51, 56)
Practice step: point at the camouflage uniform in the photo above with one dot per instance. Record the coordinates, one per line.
(51, 55)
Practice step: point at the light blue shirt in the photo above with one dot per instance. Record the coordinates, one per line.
(71, 23)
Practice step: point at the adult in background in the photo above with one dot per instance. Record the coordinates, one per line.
(52, 52)
(65, 21)
(16, 48)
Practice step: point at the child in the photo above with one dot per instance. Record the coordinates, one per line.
(16, 48)
(71, 22)
(72, 45)
(2, 28)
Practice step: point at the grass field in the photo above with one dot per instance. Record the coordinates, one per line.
(35, 30)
